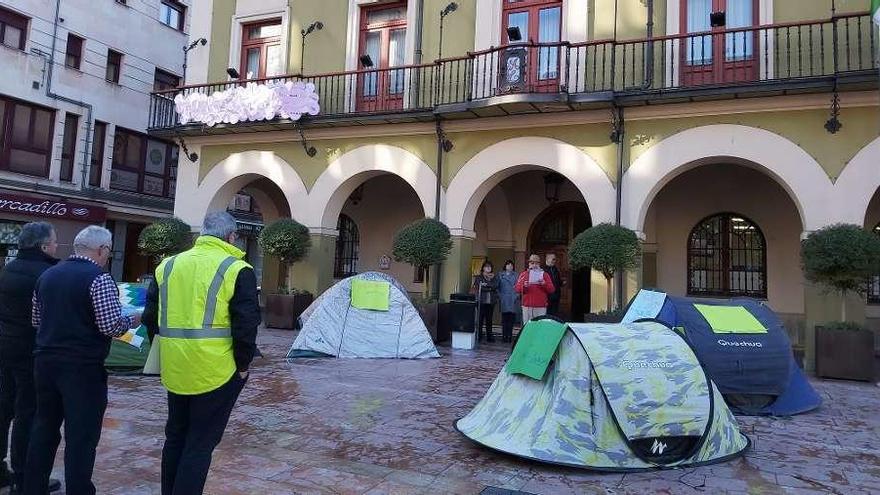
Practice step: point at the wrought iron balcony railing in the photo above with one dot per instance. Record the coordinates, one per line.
(778, 57)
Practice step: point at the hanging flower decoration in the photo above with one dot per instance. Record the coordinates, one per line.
(252, 102)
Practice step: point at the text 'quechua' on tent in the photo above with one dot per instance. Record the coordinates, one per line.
(365, 316)
(607, 397)
(743, 346)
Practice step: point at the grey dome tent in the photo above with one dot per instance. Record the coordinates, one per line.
(365, 316)
(605, 397)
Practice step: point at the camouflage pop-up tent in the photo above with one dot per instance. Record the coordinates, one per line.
(743, 346)
(129, 352)
(365, 316)
(606, 397)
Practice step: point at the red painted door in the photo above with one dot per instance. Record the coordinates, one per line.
(725, 54)
(383, 35)
(539, 21)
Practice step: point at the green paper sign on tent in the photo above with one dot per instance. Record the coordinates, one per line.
(370, 294)
(730, 319)
(535, 348)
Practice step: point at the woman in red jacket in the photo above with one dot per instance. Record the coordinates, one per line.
(535, 285)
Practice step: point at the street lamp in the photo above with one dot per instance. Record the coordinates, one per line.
(514, 34)
(315, 26)
(186, 49)
(450, 8)
(233, 73)
(551, 186)
(366, 61)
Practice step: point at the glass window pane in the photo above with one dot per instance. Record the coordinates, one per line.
(42, 129)
(97, 156)
(373, 42)
(21, 124)
(738, 46)
(154, 185)
(520, 20)
(28, 162)
(264, 31)
(123, 179)
(396, 58)
(155, 157)
(273, 61)
(386, 15)
(698, 48)
(133, 151)
(12, 36)
(548, 32)
(253, 63)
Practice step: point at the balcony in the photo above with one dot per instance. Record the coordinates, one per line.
(790, 58)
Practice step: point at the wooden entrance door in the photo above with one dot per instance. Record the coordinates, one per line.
(552, 232)
(383, 36)
(726, 54)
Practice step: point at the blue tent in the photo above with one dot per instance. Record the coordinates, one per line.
(743, 346)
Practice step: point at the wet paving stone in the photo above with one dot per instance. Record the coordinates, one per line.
(317, 426)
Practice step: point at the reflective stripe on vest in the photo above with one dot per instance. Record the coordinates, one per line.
(207, 331)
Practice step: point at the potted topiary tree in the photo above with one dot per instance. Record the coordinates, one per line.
(165, 237)
(842, 258)
(424, 243)
(289, 241)
(608, 249)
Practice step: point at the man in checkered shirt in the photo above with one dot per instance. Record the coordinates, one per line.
(76, 314)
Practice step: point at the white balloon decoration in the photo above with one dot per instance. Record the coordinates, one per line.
(251, 102)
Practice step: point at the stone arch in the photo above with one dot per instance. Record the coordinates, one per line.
(799, 174)
(226, 178)
(857, 184)
(490, 166)
(355, 167)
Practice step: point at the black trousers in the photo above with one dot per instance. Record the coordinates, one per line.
(75, 395)
(18, 403)
(487, 311)
(195, 426)
(507, 321)
(553, 307)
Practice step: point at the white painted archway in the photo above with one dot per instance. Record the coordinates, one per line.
(857, 184)
(355, 167)
(793, 168)
(490, 166)
(226, 178)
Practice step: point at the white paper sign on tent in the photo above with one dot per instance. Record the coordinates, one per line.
(647, 304)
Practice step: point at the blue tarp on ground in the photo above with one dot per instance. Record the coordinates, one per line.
(755, 371)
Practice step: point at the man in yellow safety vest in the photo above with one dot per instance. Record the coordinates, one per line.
(203, 304)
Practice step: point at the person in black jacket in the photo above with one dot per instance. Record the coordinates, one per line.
(37, 244)
(554, 297)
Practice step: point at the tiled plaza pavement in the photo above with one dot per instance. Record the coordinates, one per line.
(384, 426)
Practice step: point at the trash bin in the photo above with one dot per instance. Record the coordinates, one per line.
(462, 313)
(462, 309)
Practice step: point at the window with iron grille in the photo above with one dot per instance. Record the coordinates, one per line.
(347, 244)
(874, 285)
(13, 29)
(727, 256)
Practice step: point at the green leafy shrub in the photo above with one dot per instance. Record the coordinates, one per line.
(608, 249)
(165, 237)
(423, 243)
(289, 241)
(841, 258)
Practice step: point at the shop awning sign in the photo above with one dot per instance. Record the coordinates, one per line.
(51, 208)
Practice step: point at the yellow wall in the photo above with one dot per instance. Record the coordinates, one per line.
(325, 49)
(218, 43)
(458, 30)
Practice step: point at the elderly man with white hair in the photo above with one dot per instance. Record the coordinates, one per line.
(76, 312)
